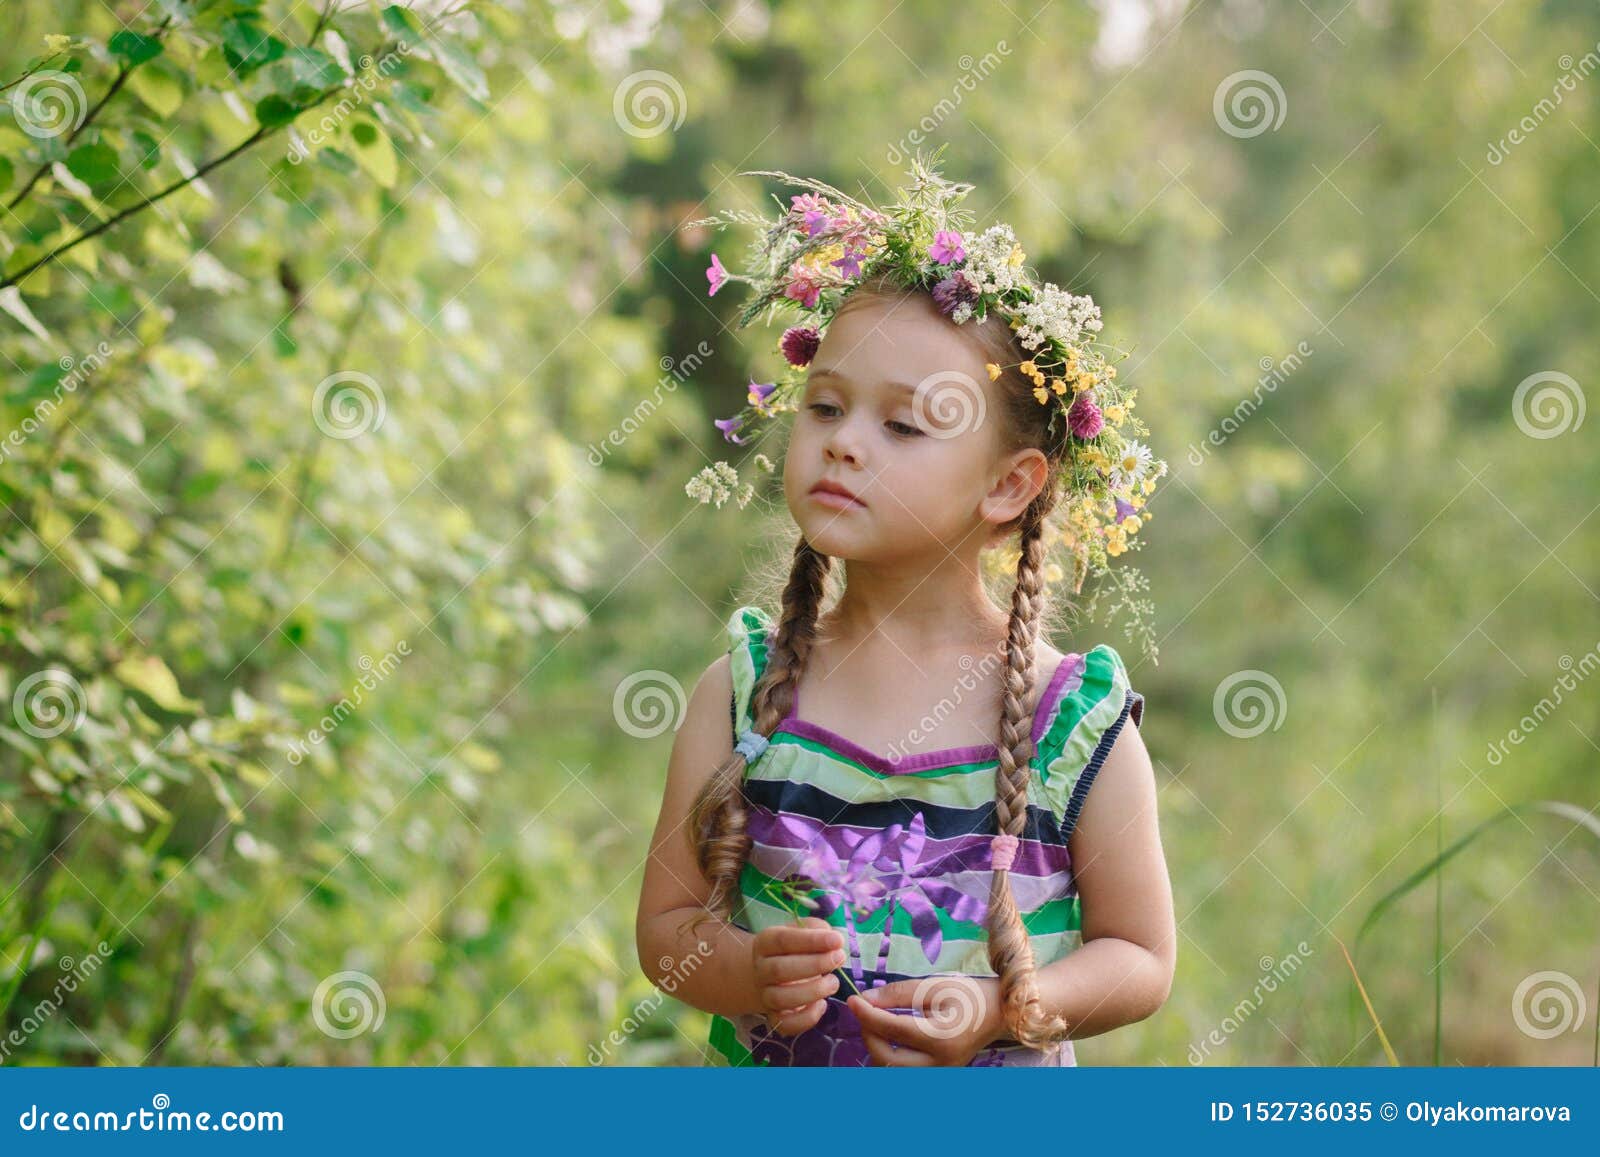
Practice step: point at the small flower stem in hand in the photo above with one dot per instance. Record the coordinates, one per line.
(794, 895)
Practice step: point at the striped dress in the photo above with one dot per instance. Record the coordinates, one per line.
(814, 797)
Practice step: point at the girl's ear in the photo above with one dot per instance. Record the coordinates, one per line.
(1025, 473)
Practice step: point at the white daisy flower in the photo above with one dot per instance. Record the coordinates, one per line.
(1131, 465)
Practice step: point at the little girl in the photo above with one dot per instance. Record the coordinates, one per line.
(912, 868)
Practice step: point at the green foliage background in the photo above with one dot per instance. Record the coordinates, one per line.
(485, 243)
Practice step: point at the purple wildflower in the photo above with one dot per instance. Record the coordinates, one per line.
(728, 426)
(759, 392)
(957, 289)
(850, 264)
(799, 344)
(716, 274)
(1084, 419)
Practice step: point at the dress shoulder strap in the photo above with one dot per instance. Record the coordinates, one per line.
(748, 630)
(1082, 727)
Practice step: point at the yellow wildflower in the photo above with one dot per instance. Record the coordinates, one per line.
(1042, 394)
(1015, 257)
(994, 371)
(1059, 386)
(819, 260)
(1115, 415)
(1028, 368)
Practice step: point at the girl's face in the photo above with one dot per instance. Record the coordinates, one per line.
(898, 410)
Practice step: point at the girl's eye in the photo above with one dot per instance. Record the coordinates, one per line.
(814, 406)
(903, 428)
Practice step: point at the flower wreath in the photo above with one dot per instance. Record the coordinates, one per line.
(826, 242)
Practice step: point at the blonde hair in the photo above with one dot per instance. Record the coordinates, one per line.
(717, 823)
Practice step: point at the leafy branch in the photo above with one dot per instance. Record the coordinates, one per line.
(88, 118)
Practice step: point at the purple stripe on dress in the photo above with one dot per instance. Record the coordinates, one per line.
(961, 853)
(1070, 667)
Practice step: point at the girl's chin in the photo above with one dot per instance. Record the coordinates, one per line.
(832, 536)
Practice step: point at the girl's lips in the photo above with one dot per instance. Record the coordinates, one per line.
(835, 500)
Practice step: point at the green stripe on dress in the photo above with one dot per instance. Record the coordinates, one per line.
(725, 1039)
(1053, 916)
(1096, 708)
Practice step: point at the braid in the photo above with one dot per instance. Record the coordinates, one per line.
(717, 819)
(1010, 953)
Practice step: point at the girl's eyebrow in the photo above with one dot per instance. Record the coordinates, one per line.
(897, 387)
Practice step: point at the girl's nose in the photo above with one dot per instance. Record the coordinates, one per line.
(841, 444)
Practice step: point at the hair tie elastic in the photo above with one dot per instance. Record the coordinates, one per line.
(751, 744)
(1004, 850)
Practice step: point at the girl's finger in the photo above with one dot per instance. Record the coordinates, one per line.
(782, 969)
(813, 935)
(883, 1052)
(800, 993)
(796, 1021)
(902, 1030)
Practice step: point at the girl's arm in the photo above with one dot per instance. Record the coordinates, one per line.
(1123, 971)
(710, 966)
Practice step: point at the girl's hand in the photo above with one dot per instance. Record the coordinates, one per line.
(793, 966)
(961, 1015)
